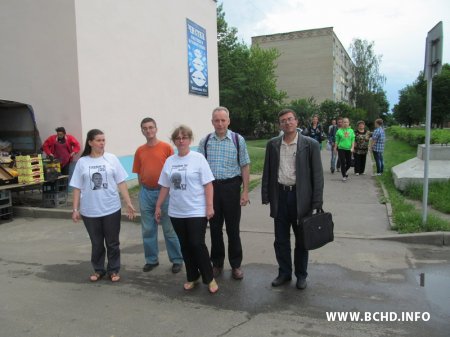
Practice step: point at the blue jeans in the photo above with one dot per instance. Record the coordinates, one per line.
(285, 219)
(333, 159)
(378, 156)
(147, 203)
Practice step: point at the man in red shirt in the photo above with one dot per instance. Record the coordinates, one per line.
(63, 147)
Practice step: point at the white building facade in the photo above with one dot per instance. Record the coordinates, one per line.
(86, 64)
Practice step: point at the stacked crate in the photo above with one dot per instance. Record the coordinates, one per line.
(5, 204)
(54, 193)
(30, 169)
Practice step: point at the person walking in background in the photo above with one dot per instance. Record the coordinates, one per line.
(292, 183)
(190, 206)
(315, 131)
(100, 208)
(345, 144)
(377, 146)
(362, 137)
(148, 163)
(63, 147)
(226, 153)
(332, 129)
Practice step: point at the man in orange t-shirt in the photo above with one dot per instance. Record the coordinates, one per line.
(148, 162)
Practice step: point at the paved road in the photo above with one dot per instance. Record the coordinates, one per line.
(44, 265)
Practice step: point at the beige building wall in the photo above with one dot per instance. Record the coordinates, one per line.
(313, 63)
(87, 64)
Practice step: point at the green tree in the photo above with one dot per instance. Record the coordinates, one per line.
(367, 88)
(247, 82)
(305, 109)
(440, 108)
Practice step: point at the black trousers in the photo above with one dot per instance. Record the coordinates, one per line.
(345, 157)
(360, 162)
(104, 230)
(283, 222)
(227, 207)
(191, 233)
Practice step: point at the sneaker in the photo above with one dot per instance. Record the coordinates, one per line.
(344, 179)
(357, 174)
(237, 273)
(332, 170)
(176, 268)
(149, 266)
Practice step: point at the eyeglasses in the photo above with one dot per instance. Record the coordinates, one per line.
(179, 139)
(287, 120)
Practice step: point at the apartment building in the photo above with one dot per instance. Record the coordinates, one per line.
(313, 63)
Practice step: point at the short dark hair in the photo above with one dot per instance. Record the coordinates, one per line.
(286, 111)
(60, 129)
(148, 120)
(379, 121)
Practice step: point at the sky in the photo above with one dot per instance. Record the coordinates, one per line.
(398, 28)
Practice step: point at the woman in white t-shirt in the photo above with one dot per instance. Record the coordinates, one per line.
(95, 180)
(186, 176)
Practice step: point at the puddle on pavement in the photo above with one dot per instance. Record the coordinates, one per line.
(436, 283)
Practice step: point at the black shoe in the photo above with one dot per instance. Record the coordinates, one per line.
(176, 268)
(332, 171)
(150, 266)
(301, 283)
(280, 280)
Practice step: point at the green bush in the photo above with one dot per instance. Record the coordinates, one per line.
(416, 136)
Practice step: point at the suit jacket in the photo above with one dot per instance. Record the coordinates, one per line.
(309, 176)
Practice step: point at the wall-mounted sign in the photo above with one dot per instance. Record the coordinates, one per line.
(197, 59)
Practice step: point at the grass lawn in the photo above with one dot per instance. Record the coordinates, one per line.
(406, 218)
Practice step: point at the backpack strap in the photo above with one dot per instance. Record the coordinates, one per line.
(234, 137)
(206, 142)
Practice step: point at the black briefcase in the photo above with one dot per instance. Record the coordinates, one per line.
(317, 230)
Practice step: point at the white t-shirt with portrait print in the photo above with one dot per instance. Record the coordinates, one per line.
(186, 176)
(97, 178)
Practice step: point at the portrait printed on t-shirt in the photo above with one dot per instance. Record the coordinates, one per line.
(178, 177)
(99, 178)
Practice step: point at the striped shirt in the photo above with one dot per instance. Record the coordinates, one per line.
(378, 137)
(222, 155)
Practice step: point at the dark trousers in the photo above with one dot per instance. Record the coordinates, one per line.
(191, 233)
(285, 219)
(104, 230)
(378, 156)
(345, 157)
(360, 162)
(227, 206)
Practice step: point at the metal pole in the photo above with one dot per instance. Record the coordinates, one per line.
(427, 149)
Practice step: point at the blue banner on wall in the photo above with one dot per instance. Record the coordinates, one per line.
(197, 59)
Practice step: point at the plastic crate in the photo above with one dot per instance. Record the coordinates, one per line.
(35, 178)
(57, 186)
(6, 213)
(53, 200)
(32, 170)
(28, 161)
(5, 199)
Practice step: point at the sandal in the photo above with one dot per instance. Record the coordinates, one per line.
(114, 277)
(213, 287)
(96, 277)
(190, 285)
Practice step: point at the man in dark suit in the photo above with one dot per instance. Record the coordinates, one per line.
(292, 183)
